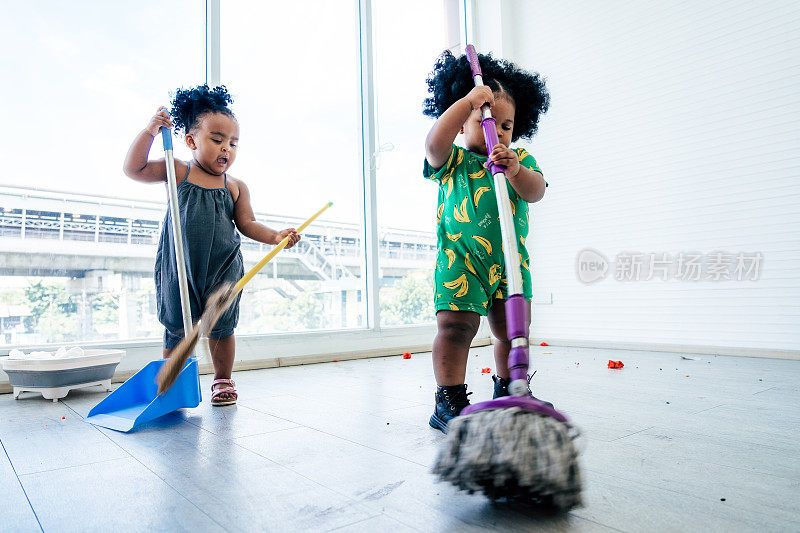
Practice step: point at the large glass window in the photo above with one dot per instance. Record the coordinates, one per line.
(409, 36)
(78, 238)
(294, 72)
(76, 241)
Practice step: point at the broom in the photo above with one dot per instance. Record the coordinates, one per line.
(219, 302)
(514, 447)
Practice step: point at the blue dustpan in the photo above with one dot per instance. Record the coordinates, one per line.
(137, 400)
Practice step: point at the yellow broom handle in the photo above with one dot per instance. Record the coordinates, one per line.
(280, 246)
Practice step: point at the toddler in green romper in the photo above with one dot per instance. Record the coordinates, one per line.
(471, 274)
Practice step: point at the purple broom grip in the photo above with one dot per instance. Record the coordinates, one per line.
(517, 327)
(517, 316)
(472, 57)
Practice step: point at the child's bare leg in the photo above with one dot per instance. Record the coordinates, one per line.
(223, 352)
(456, 329)
(502, 346)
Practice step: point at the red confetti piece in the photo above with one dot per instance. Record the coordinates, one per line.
(406, 355)
(615, 364)
(486, 370)
(335, 360)
(63, 418)
(544, 344)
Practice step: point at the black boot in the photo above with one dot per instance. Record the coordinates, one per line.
(450, 400)
(501, 388)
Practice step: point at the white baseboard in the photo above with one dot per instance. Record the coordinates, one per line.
(766, 353)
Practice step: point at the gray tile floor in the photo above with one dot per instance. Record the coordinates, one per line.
(669, 444)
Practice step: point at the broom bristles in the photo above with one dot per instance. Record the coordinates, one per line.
(219, 302)
(172, 367)
(512, 453)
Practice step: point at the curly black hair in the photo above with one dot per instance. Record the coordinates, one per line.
(451, 80)
(190, 104)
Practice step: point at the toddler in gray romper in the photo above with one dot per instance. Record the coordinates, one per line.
(213, 256)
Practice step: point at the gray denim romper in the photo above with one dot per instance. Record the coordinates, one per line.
(213, 255)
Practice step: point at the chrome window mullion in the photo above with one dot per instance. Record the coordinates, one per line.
(212, 43)
(368, 151)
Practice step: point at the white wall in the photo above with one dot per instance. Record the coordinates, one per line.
(673, 128)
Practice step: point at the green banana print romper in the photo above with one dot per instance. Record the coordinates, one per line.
(470, 267)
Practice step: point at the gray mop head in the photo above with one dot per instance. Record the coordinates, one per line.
(512, 453)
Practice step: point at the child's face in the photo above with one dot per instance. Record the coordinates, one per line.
(213, 142)
(503, 112)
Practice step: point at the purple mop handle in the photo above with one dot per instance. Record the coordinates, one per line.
(516, 308)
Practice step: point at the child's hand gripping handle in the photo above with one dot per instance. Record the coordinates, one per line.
(487, 123)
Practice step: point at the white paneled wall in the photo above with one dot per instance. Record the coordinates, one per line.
(674, 128)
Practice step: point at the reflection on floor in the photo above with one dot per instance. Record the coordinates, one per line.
(700, 444)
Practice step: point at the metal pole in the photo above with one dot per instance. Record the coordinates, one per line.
(177, 232)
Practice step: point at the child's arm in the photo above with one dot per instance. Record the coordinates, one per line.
(245, 221)
(439, 142)
(528, 183)
(136, 165)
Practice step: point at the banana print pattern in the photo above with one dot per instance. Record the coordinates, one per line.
(470, 264)
(479, 192)
(459, 283)
(495, 274)
(477, 175)
(486, 244)
(460, 214)
(451, 256)
(448, 179)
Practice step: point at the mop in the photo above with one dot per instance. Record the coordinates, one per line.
(514, 447)
(219, 301)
